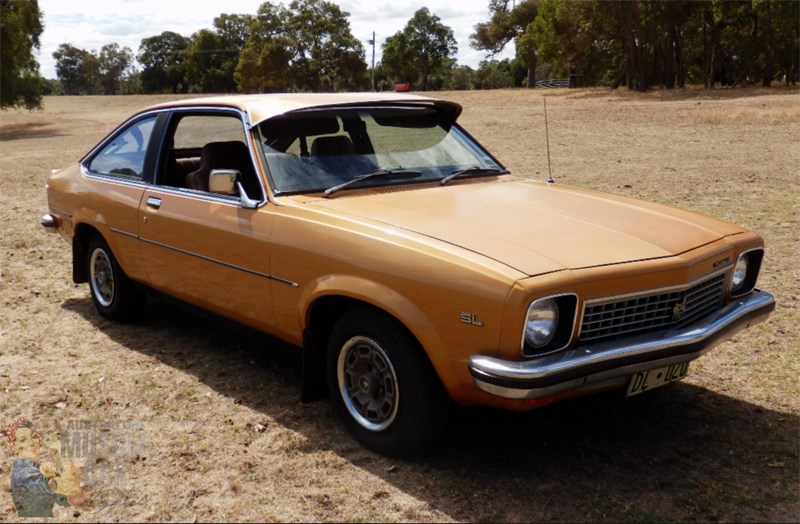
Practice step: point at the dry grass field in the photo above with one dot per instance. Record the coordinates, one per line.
(227, 438)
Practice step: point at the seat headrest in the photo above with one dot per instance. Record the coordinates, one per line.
(219, 155)
(332, 146)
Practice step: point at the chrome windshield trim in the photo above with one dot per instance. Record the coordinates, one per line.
(220, 262)
(581, 366)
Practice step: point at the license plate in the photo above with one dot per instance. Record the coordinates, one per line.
(655, 378)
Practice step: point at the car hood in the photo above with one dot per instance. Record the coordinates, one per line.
(535, 227)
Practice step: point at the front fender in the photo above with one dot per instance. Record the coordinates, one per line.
(381, 297)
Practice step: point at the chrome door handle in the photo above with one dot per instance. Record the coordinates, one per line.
(154, 202)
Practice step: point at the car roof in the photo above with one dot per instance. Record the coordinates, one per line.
(265, 106)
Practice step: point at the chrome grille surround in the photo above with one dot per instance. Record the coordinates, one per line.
(651, 311)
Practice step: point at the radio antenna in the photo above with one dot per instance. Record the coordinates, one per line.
(547, 136)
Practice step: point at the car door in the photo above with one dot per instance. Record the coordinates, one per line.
(117, 171)
(204, 247)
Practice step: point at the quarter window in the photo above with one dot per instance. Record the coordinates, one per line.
(199, 143)
(124, 156)
(194, 131)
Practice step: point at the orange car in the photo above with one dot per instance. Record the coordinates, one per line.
(409, 265)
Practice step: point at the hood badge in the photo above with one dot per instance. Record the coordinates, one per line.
(721, 262)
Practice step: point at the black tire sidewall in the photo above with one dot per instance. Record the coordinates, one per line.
(422, 403)
(127, 299)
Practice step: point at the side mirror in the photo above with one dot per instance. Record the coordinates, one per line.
(247, 202)
(229, 182)
(223, 181)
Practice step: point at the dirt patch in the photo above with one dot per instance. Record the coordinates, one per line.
(228, 439)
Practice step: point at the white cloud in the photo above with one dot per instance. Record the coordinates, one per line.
(91, 24)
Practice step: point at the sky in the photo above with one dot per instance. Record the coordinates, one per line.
(91, 24)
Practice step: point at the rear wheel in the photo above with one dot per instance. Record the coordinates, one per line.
(383, 386)
(114, 295)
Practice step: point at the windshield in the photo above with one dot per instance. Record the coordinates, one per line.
(313, 151)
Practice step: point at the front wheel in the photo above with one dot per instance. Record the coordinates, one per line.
(114, 295)
(383, 386)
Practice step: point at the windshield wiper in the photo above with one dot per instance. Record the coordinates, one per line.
(379, 173)
(474, 170)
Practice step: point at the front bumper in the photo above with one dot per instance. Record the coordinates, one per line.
(49, 222)
(602, 365)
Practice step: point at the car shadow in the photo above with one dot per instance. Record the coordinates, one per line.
(678, 453)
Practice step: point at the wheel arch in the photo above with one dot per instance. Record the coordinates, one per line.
(326, 308)
(80, 244)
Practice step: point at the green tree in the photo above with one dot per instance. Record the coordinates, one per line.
(494, 74)
(462, 78)
(562, 36)
(425, 47)
(786, 41)
(163, 63)
(264, 63)
(307, 47)
(507, 24)
(233, 31)
(114, 65)
(77, 69)
(206, 59)
(20, 28)
(327, 55)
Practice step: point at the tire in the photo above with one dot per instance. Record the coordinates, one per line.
(383, 386)
(114, 295)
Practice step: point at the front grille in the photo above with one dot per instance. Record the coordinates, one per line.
(651, 312)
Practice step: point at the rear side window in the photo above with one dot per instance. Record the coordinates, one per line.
(124, 156)
(195, 131)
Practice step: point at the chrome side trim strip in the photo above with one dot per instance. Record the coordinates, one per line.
(115, 179)
(582, 367)
(121, 232)
(60, 212)
(220, 262)
(201, 195)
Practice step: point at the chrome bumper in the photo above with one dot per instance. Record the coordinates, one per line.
(49, 223)
(603, 364)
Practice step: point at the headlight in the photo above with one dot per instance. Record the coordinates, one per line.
(541, 322)
(739, 274)
(745, 273)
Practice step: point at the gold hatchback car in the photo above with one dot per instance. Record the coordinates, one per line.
(410, 266)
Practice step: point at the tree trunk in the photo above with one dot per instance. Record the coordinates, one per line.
(531, 70)
(670, 53)
(637, 49)
(768, 54)
(679, 62)
(619, 76)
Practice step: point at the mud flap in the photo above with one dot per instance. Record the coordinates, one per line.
(315, 386)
